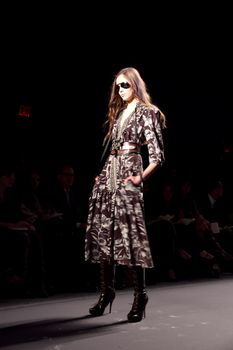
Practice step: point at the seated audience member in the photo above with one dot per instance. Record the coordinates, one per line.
(68, 231)
(161, 230)
(211, 214)
(44, 218)
(189, 238)
(21, 251)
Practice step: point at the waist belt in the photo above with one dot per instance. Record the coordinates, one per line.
(126, 148)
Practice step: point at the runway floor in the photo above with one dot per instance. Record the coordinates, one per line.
(186, 315)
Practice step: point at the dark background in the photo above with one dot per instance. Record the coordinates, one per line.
(61, 61)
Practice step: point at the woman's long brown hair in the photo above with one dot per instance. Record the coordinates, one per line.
(116, 104)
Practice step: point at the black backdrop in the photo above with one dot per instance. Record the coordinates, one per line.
(62, 62)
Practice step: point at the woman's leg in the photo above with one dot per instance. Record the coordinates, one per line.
(107, 289)
(140, 296)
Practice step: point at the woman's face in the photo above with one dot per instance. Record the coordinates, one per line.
(124, 88)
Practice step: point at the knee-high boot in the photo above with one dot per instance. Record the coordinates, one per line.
(138, 309)
(107, 289)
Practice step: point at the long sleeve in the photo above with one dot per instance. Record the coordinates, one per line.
(152, 132)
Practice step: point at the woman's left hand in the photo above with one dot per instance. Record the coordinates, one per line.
(136, 180)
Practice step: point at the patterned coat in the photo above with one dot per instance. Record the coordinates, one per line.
(116, 229)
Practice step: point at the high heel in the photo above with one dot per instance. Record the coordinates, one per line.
(138, 310)
(106, 298)
(107, 290)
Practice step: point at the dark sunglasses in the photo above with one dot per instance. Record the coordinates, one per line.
(123, 85)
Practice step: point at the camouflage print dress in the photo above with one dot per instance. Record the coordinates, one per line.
(116, 229)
